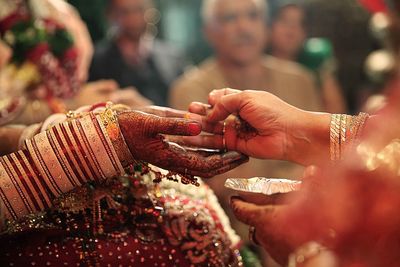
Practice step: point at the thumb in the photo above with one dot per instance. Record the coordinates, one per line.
(228, 104)
(249, 213)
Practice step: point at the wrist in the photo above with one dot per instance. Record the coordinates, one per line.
(111, 123)
(308, 138)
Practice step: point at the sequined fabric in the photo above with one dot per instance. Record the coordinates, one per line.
(129, 221)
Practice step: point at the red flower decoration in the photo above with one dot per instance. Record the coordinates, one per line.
(374, 6)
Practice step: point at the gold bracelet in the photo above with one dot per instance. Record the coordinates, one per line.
(51, 163)
(86, 151)
(100, 153)
(10, 196)
(345, 131)
(102, 133)
(335, 137)
(362, 119)
(109, 120)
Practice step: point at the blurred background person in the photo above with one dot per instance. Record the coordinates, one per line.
(237, 32)
(45, 55)
(288, 42)
(132, 56)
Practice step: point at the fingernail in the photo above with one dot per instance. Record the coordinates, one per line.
(235, 198)
(194, 128)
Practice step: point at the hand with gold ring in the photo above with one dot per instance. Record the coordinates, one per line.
(261, 125)
(145, 136)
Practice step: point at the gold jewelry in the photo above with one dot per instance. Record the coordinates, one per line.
(51, 163)
(94, 144)
(38, 161)
(61, 136)
(88, 155)
(82, 162)
(60, 154)
(31, 193)
(43, 191)
(109, 120)
(223, 137)
(102, 133)
(10, 196)
(14, 179)
(335, 137)
(362, 118)
(345, 131)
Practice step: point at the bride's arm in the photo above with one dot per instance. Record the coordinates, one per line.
(96, 147)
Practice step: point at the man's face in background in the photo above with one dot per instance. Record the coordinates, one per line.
(236, 29)
(129, 17)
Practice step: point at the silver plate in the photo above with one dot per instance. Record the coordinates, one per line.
(266, 186)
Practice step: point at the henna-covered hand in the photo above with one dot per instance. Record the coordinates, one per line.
(144, 132)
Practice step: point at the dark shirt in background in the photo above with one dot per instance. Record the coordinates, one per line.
(152, 76)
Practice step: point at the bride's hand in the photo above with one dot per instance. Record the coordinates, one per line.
(269, 128)
(144, 132)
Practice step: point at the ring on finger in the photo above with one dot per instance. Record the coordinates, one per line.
(223, 137)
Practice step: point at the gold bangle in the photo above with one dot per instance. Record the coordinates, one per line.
(345, 134)
(87, 153)
(102, 157)
(51, 162)
(41, 186)
(362, 119)
(9, 195)
(60, 154)
(102, 133)
(345, 130)
(335, 137)
(38, 161)
(15, 181)
(109, 120)
(70, 136)
(33, 193)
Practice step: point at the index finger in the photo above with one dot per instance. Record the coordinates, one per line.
(250, 213)
(216, 95)
(174, 126)
(227, 105)
(261, 199)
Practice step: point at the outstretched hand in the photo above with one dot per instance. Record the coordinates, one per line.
(144, 134)
(261, 125)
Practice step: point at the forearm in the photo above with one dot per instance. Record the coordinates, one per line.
(309, 139)
(319, 137)
(54, 162)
